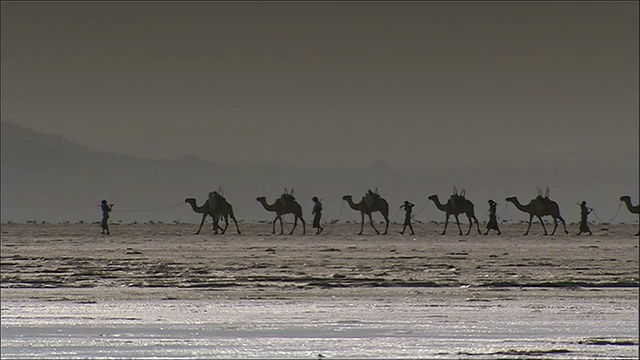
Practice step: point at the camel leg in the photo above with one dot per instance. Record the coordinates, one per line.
(281, 226)
(446, 222)
(563, 224)
(386, 227)
(201, 223)
(304, 226)
(274, 224)
(477, 224)
(373, 226)
(295, 223)
(543, 227)
(473, 219)
(458, 222)
(529, 227)
(216, 226)
(555, 223)
(233, 217)
(361, 223)
(226, 224)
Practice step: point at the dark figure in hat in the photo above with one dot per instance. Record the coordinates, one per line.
(407, 207)
(106, 209)
(493, 220)
(584, 213)
(317, 214)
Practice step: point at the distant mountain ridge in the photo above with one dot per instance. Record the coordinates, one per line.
(49, 178)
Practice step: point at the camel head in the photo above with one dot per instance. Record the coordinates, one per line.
(189, 200)
(625, 198)
(347, 197)
(433, 197)
(510, 199)
(261, 198)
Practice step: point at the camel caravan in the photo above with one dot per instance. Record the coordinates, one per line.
(217, 207)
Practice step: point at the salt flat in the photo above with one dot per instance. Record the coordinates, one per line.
(158, 291)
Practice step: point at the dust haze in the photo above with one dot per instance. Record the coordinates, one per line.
(330, 98)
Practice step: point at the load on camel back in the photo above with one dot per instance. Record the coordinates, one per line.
(214, 198)
(288, 197)
(371, 197)
(458, 199)
(545, 201)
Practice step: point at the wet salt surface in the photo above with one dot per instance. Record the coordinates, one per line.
(336, 328)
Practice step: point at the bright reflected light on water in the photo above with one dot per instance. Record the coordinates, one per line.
(494, 328)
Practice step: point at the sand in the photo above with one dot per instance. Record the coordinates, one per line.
(167, 261)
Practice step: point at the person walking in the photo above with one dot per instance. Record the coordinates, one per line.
(106, 209)
(407, 207)
(584, 214)
(493, 220)
(317, 214)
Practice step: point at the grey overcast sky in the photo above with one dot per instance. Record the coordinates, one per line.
(328, 83)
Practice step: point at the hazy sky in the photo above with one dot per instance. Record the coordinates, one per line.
(328, 83)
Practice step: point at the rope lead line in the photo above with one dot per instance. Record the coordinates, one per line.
(422, 208)
(148, 210)
(613, 218)
(504, 210)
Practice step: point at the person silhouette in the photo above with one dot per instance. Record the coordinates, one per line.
(493, 220)
(407, 207)
(584, 214)
(106, 209)
(317, 214)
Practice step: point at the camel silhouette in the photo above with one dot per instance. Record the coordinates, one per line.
(539, 207)
(370, 203)
(455, 206)
(205, 210)
(221, 208)
(286, 204)
(626, 199)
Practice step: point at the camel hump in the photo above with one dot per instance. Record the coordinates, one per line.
(458, 199)
(212, 201)
(215, 195)
(287, 198)
(371, 198)
(458, 196)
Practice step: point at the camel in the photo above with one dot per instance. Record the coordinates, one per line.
(286, 204)
(369, 204)
(626, 199)
(539, 207)
(205, 210)
(455, 206)
(221, 207)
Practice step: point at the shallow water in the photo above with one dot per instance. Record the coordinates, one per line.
(158, 291)
(335, 328)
